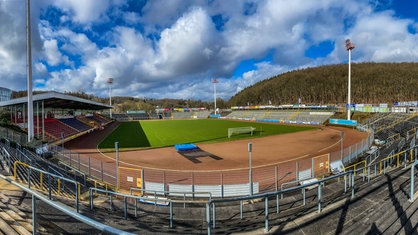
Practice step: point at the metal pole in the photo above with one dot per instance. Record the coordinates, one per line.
(208, 217)
(62, 145)
(349, 86)
(214, 95)
(117, 164)
(250, 174)
(240, 209)
(411, 197)
(319, 196)
(266, 209)
(342, 145)
(110, 81)
(171, 214)
(352, 186)
(43, 120)
(29, 72)
(214, 81)
(349, 46)
(34, 214)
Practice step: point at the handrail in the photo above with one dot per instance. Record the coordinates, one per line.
(35, 195)
(355, 165)
(269, 194)
(167, 192)
(76, 184)
(411, 195)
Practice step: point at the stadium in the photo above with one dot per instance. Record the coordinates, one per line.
(224, 170)
(295, 153)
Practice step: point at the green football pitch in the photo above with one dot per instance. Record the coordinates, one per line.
(164, 133)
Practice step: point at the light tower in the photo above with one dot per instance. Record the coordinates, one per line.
(110, 81)
(29, 73)
(214, 81)
(349, 46)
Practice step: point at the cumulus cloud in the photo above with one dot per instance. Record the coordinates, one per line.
(83, 12)
(173, 48)
(53, 55)
(189, 45)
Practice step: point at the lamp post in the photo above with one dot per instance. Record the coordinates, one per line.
(62, 143)
(110, 81)
(214, 81)
(29, 73)
(117, 164)
(250, 173)
(349, 46)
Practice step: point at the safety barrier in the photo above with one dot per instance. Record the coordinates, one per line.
(395, 161)
(37, 196)
(227, 183)
(223, 183)
(33, 174)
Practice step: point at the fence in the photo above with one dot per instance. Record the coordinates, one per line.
(213, 214)
(220, 182)
(52, 204)
(18, 137)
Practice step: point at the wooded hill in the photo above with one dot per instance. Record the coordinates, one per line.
(371, 83)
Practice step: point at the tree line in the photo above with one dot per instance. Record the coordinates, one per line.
(371, 83)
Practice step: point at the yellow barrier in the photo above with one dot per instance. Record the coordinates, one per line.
(106, 185)
(355, 165)
(78, 187)
(381, 162)
(397, 155)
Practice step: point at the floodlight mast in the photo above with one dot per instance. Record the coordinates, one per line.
(110, 81)
(214, 81)
(29, 73)
(349, 46)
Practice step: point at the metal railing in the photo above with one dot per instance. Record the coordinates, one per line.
(37, 196)
(49, 186)
(395, 161)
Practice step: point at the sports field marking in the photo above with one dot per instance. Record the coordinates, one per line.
(329, 146)
(165, 133)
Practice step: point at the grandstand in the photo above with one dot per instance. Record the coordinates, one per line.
(261, 213)
(57, 116)
(297, 116)
(224, 206)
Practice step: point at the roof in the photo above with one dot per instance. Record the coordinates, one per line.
(58, 100)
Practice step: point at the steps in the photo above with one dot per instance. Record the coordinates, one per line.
(13, 219)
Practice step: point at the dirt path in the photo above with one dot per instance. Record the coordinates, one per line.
(226, 155)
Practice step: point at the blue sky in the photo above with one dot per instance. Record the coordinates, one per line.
(172, 49)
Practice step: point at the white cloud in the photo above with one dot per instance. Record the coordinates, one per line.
(188, 46)
(83, 12)
(173, 48)
(52, 53)
(383, 38)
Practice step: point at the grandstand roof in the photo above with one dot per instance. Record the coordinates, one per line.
(58, 100)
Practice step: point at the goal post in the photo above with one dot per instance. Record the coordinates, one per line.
(240, 130)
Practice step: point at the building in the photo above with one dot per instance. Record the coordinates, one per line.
(5, 94)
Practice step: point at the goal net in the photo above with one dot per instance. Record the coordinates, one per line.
(240, 130)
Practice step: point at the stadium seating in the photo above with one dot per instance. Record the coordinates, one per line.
(58, 129)
(300, 117)
(98, 118)
(76, 124)
(120, 117)
(138, 116)
(182, 115)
